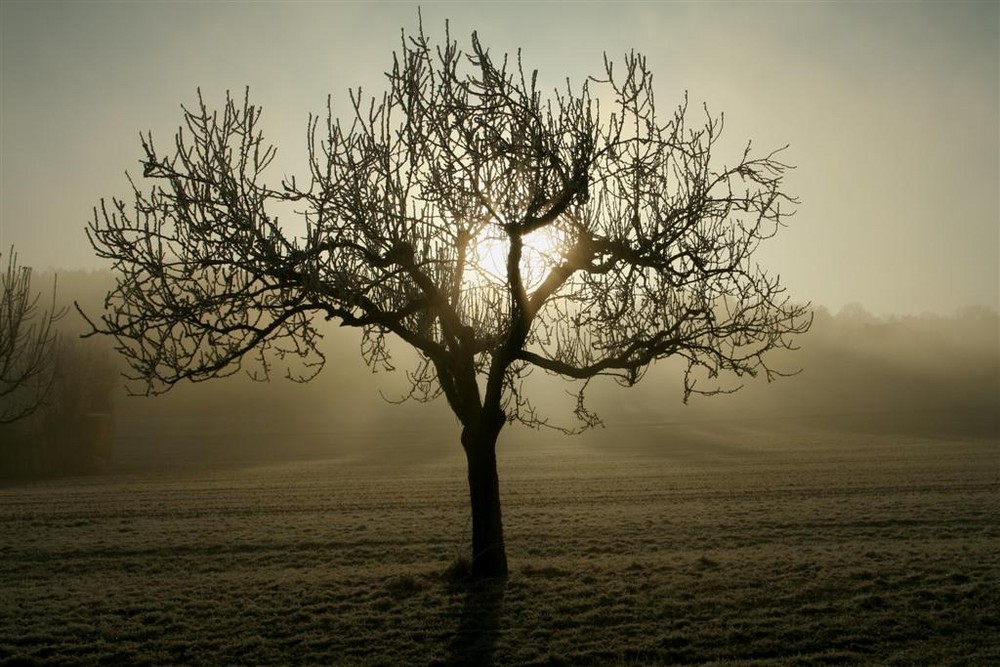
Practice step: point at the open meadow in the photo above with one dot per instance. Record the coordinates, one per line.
(738, 544)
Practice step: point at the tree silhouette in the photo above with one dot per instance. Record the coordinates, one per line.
(494, 229)
(27, 344)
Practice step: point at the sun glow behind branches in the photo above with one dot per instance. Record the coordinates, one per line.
(487, 259)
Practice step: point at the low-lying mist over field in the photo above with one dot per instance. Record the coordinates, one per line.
(857, 372)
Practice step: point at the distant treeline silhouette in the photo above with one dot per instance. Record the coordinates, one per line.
(934, 373)
(73, 429)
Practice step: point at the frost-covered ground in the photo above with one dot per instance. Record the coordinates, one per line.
(732, 546)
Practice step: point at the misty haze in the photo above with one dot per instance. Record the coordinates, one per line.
(738, 403)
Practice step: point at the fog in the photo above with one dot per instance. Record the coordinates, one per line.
(932, 375)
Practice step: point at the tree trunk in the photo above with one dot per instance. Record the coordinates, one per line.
(489, 557)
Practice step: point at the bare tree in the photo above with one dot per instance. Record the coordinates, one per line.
(27, 344)
(621, 243)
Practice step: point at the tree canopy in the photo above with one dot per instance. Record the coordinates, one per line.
(495, 228)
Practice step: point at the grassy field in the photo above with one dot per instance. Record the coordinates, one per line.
(728, 545)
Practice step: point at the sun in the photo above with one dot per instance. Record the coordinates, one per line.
(487, 259)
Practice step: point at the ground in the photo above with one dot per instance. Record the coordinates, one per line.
(735, 544)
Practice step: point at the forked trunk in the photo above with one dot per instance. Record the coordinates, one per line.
(489, 557)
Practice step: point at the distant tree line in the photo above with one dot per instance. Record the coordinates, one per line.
(60, 415)
(934, 374)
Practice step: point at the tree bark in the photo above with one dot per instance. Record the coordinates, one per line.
(489, 556)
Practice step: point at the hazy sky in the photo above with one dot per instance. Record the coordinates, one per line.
(892, 112)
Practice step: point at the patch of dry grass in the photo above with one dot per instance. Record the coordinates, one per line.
(809, 551)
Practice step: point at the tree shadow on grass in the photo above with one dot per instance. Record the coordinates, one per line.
(479, 628)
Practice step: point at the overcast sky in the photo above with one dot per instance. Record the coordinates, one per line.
(892, 112)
